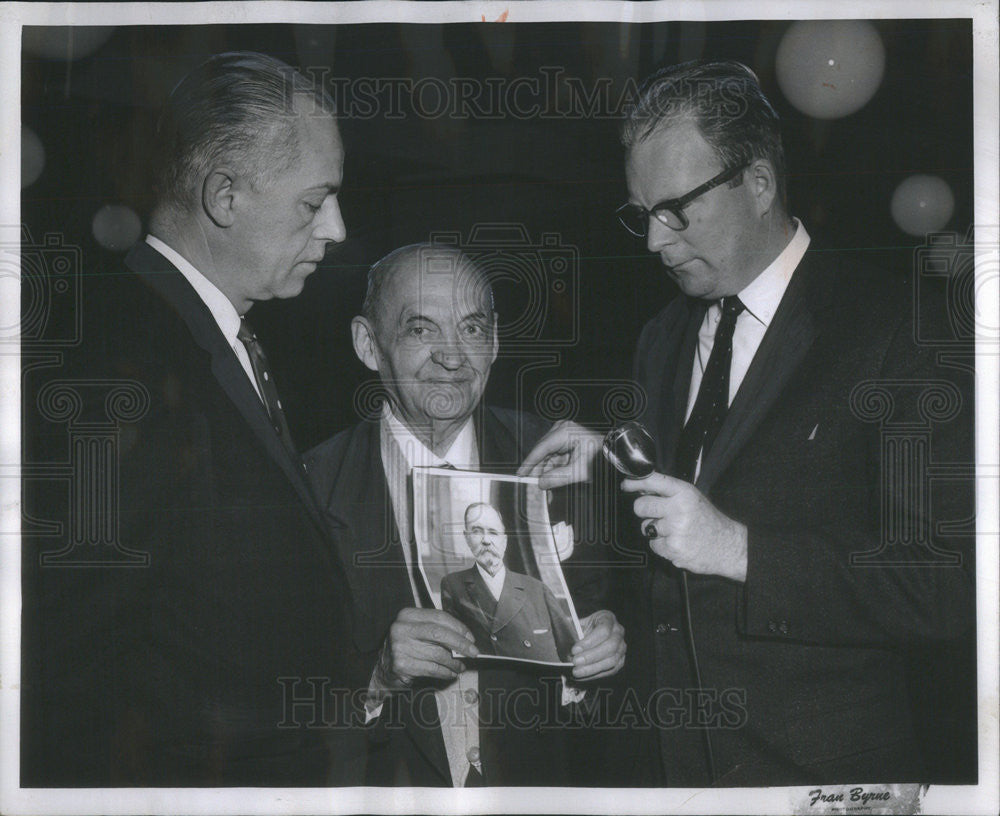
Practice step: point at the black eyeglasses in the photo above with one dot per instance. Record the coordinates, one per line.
(671, 213)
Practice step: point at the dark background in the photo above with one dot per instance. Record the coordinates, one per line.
(409, 177)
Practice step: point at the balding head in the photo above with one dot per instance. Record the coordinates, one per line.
(428, 328)
(406, 266)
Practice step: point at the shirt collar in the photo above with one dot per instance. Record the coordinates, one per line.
(218, 304)
(461, 454)
(763, 294)
(494, 582)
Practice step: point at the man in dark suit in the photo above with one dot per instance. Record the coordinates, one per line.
(428, 328)
(510, 614)
(182, 657)
(793, 558)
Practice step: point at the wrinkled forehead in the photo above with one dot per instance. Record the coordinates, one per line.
(437, 279)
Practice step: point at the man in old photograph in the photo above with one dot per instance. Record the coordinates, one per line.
(509, 613)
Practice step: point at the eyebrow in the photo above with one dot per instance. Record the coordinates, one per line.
(326, 186)
(480, 315)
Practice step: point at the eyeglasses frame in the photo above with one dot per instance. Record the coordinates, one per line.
(677, 205)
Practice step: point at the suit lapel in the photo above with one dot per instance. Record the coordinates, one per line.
(480, 597)
(370, 549)
(368, 542)
(668, 388)
(785, 344)
(680, 387)
(511, 601)
(161, 276)
(497, 446)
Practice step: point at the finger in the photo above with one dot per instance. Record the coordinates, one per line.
(560, 477)
(651, 507)
(602, 668)
(439, 634)
(555, 441)
(446, 619)
(412, 616)
(423, 653)
(608, 645)
(413, 669)
(657, 484)
(596, 628)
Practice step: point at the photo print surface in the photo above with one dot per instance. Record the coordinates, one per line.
(489, 556)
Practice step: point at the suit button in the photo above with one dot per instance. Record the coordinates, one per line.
(471, 697)
(493, 637)
(771, 627)
(783, 628)
(527, 643)
(472, 755)
(663, 628)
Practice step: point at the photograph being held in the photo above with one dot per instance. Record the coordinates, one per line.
(509, 613)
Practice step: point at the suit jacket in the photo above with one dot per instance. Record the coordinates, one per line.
(407, 747)
(802, 665)
(525, 622)
(190, 669)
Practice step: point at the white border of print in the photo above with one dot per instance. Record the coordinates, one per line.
(983, 798)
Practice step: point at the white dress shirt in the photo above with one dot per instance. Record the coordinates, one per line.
(761, 297)
(458, 702)
(222, 309)
(494, 583)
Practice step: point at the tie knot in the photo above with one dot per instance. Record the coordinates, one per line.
(732, 306)
(246, 333)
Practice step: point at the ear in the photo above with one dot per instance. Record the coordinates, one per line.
(763, 185)
(217, 194)
(363, 336)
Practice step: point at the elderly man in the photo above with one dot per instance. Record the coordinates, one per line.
(777, 599)
(175, 665)
(509, 613)
(428, 328)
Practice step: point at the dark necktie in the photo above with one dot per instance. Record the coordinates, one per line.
(474, 779)
(712, 404)
(265, 384)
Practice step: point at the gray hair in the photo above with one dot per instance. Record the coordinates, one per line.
(237, 108)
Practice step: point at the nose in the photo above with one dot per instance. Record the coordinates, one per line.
(448, 355)
(329, 223)
(658, 234)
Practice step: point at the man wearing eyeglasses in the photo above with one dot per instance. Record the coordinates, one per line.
(779, 594)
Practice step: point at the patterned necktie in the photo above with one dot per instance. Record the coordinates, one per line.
(265, 384)
(712, 404)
